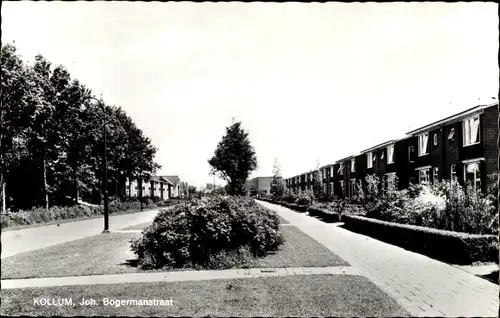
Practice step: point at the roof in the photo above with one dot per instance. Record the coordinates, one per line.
(173, 179)
(346, 158)
(160, 179)
(167, 180)
(387, 143)
(454, 118)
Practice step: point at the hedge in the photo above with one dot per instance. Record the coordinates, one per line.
(452, 247)
(41, 215)
(326, 215)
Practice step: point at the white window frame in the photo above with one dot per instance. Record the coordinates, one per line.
(331, 171)
(341, 169)
(332, 188)
(477, 174)
(391, 180)
(390, 154)
(427, 171)
(353, 165)
(467, 133)
(453, 173)
(352, 187)
(435, 174)
(423, 141)
(409, 152)
(369, 160)
(451, 134)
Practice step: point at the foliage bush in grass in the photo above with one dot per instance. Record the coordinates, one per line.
(212, 233)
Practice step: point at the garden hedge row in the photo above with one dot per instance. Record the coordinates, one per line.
(327, 215)
(453, 247)
(41, 215)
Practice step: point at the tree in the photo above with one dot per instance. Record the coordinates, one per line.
(14, 115)
(234, 159)
(277, 184)
(192, 191)
(317, 181)
(51, 137)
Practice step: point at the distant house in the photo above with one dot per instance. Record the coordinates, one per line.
(156, 186)
(175, 181)
(260, 185)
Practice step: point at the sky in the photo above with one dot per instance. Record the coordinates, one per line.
(309, 81)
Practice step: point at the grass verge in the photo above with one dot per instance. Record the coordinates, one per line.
(313, 295)
(110, 254)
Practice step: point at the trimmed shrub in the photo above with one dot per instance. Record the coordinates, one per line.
(305, 198)
(214, 232)
(448, 246)
(326, 215)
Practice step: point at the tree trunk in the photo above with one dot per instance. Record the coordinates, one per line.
(75, 184)
(45, 186)
(129, 187)
(4, 204)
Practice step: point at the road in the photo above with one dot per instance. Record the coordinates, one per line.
(23, 240)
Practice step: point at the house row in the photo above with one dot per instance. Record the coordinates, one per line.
(163, 187)
(462, 147)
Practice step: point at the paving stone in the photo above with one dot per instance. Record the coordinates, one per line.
(417, 282)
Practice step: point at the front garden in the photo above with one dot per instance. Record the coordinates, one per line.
(444, 220)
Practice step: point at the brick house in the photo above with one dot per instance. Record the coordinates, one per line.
(461, 147)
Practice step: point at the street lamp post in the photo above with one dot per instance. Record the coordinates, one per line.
(106, 210)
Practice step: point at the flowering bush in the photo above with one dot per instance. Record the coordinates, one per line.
(305, 198)
(215, 232)
(445, 205)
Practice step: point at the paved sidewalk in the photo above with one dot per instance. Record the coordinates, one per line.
(423, 286)
(23, 240)
(177, 276)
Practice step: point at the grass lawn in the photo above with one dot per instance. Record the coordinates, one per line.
(313, 295)
(110, 254)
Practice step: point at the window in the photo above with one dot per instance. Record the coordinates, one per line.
(342, 187)
(471, 130)
(353, 165)
(451, 135)
(435, 139)
(369, 160)
(423, 175)
(391, 181)
(453, 173)
(435, 175)
(331, 188)
(411, 154)
(341, 169)
(390, 154)
(423, 144)
(331, 171)
(382, 155)
(352, 187)
(472, 174)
